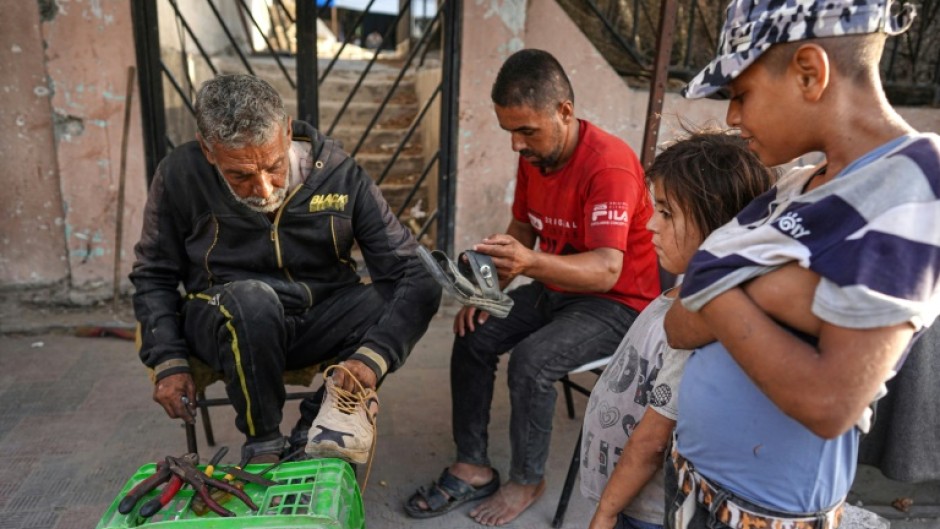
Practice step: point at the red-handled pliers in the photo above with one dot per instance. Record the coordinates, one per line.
(162, 475)
(151, 507)
(140, 490)
(176, 483)
(201, 483)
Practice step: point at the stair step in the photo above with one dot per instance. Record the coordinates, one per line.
(359, 114)
(396, 193)
(372, 90)
(406, 169)
(379, 140)
(337, 85)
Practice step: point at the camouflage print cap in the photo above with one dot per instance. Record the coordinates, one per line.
(752, 26)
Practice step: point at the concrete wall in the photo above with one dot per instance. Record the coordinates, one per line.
(493, 29)
(65, 73)
(32, 241)
(426, 81)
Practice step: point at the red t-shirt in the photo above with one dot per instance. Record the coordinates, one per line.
(597, 200)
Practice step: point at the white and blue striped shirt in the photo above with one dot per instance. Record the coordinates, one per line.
(873, 235)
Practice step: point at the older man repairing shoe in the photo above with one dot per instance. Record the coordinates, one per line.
(257, 220)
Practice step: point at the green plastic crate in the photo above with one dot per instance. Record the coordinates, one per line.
(314, 494)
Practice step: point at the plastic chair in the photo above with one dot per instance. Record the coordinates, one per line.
(596, 367)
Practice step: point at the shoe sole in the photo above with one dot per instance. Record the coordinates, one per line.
(327, 450)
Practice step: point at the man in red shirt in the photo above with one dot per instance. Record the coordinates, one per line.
(580, 194)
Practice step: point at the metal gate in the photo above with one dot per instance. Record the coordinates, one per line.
(625, 33)
(370, 81)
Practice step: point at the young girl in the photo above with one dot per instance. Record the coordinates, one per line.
(698, 184)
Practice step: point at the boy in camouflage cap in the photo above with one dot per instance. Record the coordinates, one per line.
(752, 27)
(841, 263)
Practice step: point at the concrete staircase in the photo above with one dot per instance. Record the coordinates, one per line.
(383, 139)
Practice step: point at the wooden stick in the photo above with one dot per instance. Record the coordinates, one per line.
(122, 178)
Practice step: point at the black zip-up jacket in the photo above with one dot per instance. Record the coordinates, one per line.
(196, 233)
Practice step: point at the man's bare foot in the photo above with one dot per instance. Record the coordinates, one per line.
(475, 475)
(509, 502)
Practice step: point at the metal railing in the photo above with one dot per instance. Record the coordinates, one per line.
(911, 62)
(625, 33)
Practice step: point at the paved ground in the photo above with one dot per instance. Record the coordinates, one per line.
(76, 420)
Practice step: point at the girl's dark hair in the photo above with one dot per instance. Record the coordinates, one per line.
(711, 175)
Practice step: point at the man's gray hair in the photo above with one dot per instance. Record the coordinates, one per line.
(237, 110)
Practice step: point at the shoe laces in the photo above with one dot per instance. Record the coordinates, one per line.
(348, 402)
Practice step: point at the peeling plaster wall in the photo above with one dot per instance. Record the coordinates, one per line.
(31, 217)
(492, 30)
(88, 49)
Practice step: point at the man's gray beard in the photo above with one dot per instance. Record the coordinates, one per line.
(258, 204)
